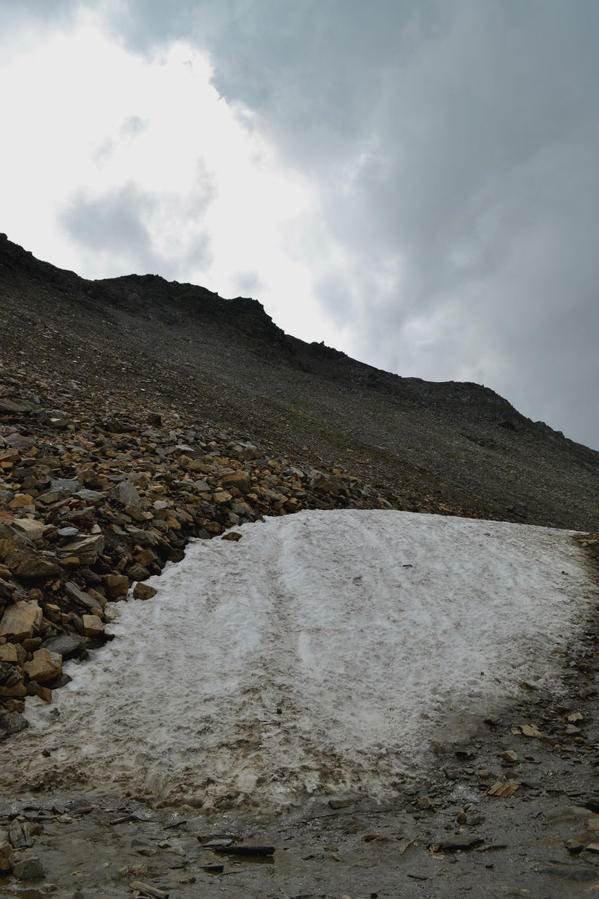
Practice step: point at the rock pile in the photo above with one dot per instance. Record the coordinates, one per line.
(92, 503)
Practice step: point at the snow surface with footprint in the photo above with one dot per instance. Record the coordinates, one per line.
(321, 654)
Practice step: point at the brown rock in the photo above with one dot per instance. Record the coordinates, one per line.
(44, 693)
(137, 572)
(239, 479)
(15, 692)
(144, 557)
(8, 653)
(37, 568)
(5, 856)
(20, 501)
(92, 626)
(143, 591)
(30, 527)
(44, 666)
(21, 620)
(117, 585)
(87, 548)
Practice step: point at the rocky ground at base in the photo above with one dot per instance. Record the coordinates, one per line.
(513, 811)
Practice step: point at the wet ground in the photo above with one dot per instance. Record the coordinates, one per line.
(446, 836)
(512, 811)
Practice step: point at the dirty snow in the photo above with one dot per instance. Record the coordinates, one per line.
(321, 654)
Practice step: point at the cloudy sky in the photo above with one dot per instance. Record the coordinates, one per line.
(415, 182)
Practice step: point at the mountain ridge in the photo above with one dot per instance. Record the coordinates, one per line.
(139, 335)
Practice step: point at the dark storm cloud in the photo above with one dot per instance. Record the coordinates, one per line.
(454, 147)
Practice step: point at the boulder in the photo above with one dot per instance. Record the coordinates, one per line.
(144, 591)
(238, 479)
(126, 494)
(86, 548)
(12, 722)
(66, 645)
(30, 527)
(44, 666)
(8, 653)
(21, 501)
(92, 626)
(21, 620)
(68, 485)
(5, 856)
(117, 585)
(36, 568)
(80, 596)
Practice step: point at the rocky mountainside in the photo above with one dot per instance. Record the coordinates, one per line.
(137, 413)
(178, 347)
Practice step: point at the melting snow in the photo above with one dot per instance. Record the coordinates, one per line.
(320, 654)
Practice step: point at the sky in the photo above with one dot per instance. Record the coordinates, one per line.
(414, 182)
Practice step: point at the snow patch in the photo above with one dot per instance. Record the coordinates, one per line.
(321, 654)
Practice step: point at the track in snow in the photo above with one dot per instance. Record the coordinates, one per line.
(319, 655)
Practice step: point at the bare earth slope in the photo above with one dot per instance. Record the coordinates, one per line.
(178, 346)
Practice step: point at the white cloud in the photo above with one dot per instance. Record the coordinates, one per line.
(114, 161)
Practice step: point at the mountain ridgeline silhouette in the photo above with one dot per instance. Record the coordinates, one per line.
(450, 446)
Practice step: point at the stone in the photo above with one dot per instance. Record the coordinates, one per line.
(509, 757)
(86, 548)
(66, 645)
(8, 653)
(80, 596)
(92, 626)
(21, 620)
(51, 497)
(126, 494)
(29, 869)
(19, 834)
(30, 527)
(6, 856)
(245, 451)
(15, 406)
(459, 843)
(137, 572)
(91, 497)
(238, 479)
(144, 591)
(35, 568)
(21, 501)
(44, 666)
(117, 585)
(233, 536)
(68, 485)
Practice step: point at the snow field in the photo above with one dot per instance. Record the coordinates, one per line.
(321, 654)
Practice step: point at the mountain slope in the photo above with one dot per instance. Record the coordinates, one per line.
(178, 346)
